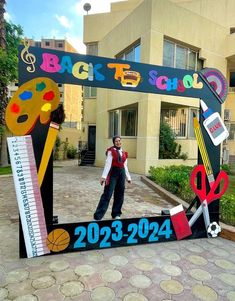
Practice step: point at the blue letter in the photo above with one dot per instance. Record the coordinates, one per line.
(172, 84)
(66, 64)
(152, 77)
(98, 76)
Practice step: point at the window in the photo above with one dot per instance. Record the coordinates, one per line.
(70, 124)
(178, 56)
(176, 118)
(232, 30)
(37, 44)
(232, 132)
(123, 122)
(62, 97)
(180, 120)
(90, 92)
(113, 123)
(128, 122)
(91, 49)
(60, 45)
(47, 43)
(232, 79)
(131, 53)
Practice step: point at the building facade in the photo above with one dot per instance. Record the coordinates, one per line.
(191, 34)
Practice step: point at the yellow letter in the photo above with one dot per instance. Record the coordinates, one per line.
(80, 70)
(196, 85)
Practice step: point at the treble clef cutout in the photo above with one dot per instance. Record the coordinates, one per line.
(28, 57)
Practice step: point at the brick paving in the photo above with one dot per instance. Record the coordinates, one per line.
(199, 269)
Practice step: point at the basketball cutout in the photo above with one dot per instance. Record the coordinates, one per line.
(58, 240)
(217, 81)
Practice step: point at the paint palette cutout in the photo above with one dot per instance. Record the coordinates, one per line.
(35, 99)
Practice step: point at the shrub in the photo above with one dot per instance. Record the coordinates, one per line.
(227, 206)
(56, 148)
(168, 148)
(71, 152)
(226, 168)
(174, 179)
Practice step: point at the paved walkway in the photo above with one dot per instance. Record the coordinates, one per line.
(200, 269)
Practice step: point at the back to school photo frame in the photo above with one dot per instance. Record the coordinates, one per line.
(30, 116)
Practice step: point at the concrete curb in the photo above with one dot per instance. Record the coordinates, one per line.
(6, 176)
(227, 232)
(171, 198)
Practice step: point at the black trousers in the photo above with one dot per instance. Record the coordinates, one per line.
(116, 185)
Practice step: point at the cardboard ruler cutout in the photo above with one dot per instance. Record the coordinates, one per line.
(28, 195)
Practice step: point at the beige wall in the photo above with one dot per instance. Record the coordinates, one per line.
(151, 21)
(219, 11)
(193, 30)
(230, 46)
(69, 135)
(230, 146)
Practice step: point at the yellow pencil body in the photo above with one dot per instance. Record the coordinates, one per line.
(203, 151)
(50, 141)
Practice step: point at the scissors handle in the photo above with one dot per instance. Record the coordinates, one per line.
(222, 177)
(201, 193)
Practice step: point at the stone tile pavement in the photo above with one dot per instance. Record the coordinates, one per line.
(200, 269)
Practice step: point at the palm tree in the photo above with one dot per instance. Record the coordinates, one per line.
(3, 90)
(2, 25)
(10, 38)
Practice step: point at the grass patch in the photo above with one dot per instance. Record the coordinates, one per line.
(5, 170)
(227, 203)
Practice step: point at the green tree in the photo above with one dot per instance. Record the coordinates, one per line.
(168, 148)
(8, 74)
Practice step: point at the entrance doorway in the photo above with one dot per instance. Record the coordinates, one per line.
(91, 137)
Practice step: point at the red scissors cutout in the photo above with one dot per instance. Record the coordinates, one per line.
(205, 198)
(201, 192)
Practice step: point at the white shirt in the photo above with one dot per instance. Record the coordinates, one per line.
(108, 164)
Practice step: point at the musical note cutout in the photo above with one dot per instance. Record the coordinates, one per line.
(35, 99)
(28, 57)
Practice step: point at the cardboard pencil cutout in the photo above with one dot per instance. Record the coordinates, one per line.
(203, 151)
(39, 71)
(57, 117)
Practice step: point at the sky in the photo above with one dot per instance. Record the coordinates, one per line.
(60, 19)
